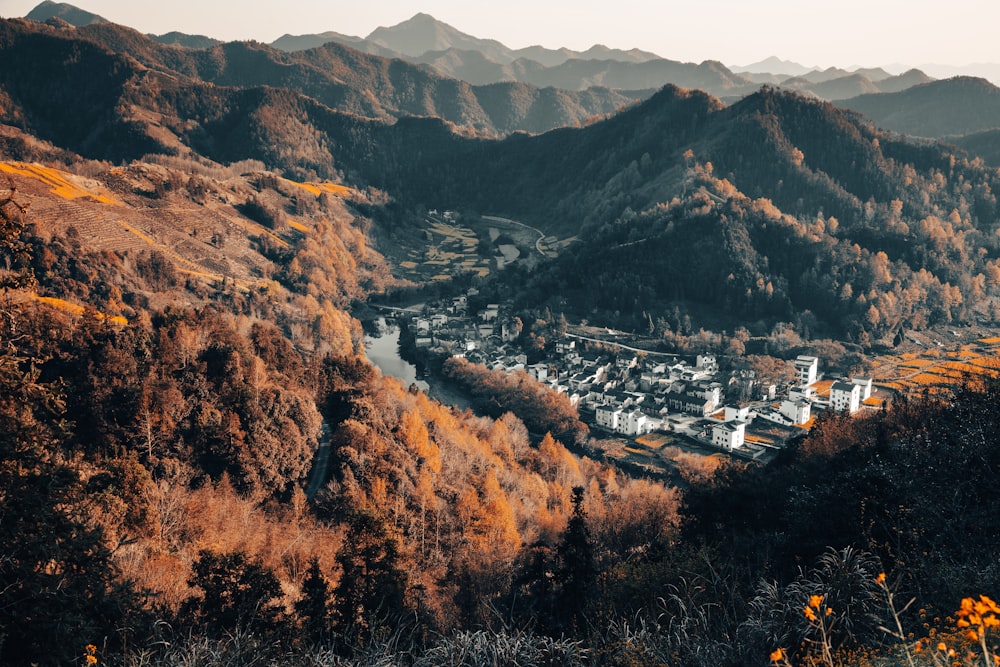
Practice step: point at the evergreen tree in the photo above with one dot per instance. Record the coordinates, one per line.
(577, 571)
(371, 583)
(313, 607)
(239, 593)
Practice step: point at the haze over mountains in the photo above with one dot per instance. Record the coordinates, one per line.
(425, 41)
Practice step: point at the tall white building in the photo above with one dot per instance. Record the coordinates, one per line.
(807, 368)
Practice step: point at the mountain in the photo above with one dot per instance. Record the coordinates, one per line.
(850, 85)
(312, 41)
(855, 84)
(777, 194)
(73, 15)
(990, 71)
(422, 33)
(339, 77)
(957, 106)
(776, 165)
(580, 74)
(774, 65)
(900, 82)
(188, 41)
(425, 40)
(981, 144)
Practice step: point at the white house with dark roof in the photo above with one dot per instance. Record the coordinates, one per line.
(845, 396)
(729, 435)
(608, 416)
(634, 422)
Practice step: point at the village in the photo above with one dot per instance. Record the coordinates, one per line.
(649, 399)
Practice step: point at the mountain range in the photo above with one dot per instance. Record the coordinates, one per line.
(442, 49)
(776, 191)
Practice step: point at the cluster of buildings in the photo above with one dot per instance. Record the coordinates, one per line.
(631, 394)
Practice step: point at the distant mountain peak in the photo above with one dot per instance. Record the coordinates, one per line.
(775, 65)
(75, 16)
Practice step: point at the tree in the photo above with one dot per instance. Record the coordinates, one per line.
(313, 607)
(238, 593)
(577, 571)
(58, 587)
(11, 246)
(371, 582)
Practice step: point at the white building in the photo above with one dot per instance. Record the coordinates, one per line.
(866, 386)
(729, 435)
(804, 393)
(734, 412)
(845, 397)
(608, 416)
(708, 362)
(808, 368)
(539, 371)
(797, 412)
(634, 422)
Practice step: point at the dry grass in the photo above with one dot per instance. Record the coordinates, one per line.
(59, 181)
(76, 309)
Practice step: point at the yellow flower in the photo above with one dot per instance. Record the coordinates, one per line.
(815, 601)
(777, 655)
(942, 647)
(829, 611)
(880, 579)
(91, 659)
(809, 613)
(90, 648)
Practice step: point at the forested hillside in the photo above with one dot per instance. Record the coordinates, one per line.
(336, 76)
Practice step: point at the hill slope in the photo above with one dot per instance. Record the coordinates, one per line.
(957, 106)
(337, 76)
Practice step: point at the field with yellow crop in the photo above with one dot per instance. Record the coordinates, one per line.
(936, 369)
(61, 184)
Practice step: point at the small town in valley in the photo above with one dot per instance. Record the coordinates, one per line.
(645, 408)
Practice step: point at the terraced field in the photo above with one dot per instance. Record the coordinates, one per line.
(937, 370)
(210, 241)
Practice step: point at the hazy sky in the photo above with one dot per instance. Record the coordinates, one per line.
(736, 32)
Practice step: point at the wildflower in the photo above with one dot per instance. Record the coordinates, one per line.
(829, 611)
(809, 614)
(942, 647)
(815, 601)
(777, 655)
(880, 579)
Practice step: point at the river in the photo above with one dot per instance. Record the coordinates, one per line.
(383, 351)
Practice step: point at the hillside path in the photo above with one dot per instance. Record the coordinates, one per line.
(318, 475)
